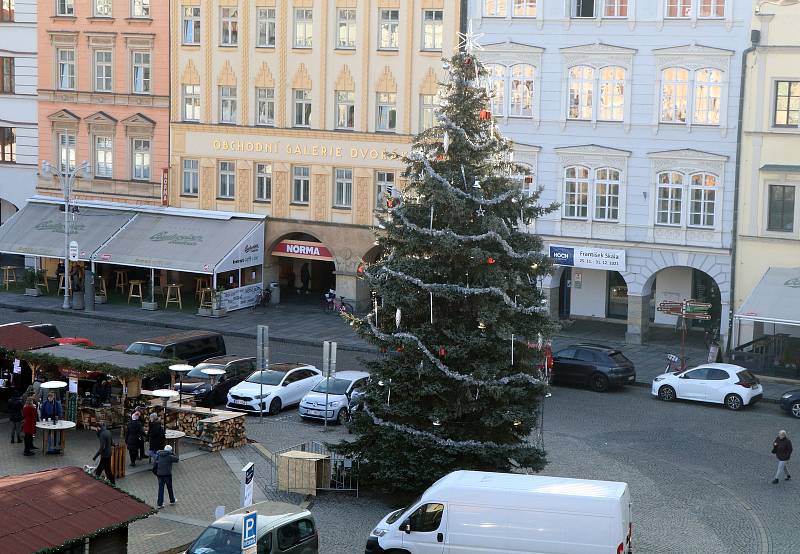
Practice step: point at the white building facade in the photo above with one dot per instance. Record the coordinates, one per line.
(626, 113)
(18, 111)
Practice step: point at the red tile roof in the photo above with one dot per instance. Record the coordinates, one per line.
(46, 509)
(21, 337)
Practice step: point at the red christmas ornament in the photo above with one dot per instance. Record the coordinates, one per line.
(390, 202)
(399, 349)
(467, 61)
(490, 260)
(442, 352)
(439, 157)
(485, 115)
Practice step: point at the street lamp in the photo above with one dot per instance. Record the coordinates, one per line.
(776, 3)
(66, 177)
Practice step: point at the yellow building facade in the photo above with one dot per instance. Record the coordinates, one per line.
(292, 109)
(767, 266)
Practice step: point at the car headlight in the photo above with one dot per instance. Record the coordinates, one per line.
(262, 396)
(657, 379)
(378, 532)
(787, 395)
(333, 403)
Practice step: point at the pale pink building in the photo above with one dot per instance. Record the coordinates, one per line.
(104, 96)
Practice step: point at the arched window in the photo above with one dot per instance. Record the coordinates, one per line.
(497, 87)
(581, 85)
(606, 194)
(521, 90)
(576, 192)
(703, 197)
(612, 94)
(670, 198)
(674, 94)
(707, 96)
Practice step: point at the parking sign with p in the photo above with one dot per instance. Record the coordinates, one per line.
(249, 530)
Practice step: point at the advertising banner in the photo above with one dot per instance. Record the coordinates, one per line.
(587, 257)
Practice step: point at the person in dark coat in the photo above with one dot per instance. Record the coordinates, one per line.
(29, 416)
(782, 448)
(305, 278)
(52, 409)
(104, 452)
(133, 437)
(164, 460)
(140, 410)
(156, 438)
(15, 405)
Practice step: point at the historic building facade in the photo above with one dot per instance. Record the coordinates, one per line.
(104, 96)
(626, 114)
(18, 118)
(292, 109)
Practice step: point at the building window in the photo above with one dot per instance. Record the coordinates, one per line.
(429, 103)
(583, 8)
(229, 27)
(343, 188)
(66, 69)
(102, 70)
(494, 8)
(529, 181)
(103, 157)
(780, 216)
(346, 28)
(674, 95)
(301, 184)
(345, 109)
(265, 27)
(191, 102)
(612, 94)
(191, 177)
(387, 112)
(7, 76)
(265, 106)
(263, 182)
(606, 194)
(679, 8)
(497, 85)
(303, 28)
(227, 104)
(521, 91)
(7, 10)
(432, 21)
(102, 8)
(702, 199)
(66, 151)
(227, 179)
(389, 30)
(384, 181)
(141, 159)
(581, 89)
(711, 9)
(8, 145)
(141, 72)
(65, 7)
(670, 198)
(191, 25)
(707, 96)
(787, 104)
(302, 108)
(615, 8)
(140, 8)
(576, 192)
(524, 8)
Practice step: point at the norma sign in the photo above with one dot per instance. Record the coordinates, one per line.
(165, 187)
(590, 258)
(74, 251)
(302, 249)
(249, 530)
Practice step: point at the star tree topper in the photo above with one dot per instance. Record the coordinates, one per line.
(470, 41)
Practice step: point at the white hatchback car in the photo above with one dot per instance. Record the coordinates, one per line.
(727, 384)
(273, 389)
(341, 389)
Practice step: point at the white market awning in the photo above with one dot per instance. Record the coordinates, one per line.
(776, 298)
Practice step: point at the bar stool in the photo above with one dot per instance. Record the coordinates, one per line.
(200, 283)
(176, 299)
(60, 284)
(205, 298)
(122, 280)
(41, 280)
(9, 275)
(137, 283)
(100, 287)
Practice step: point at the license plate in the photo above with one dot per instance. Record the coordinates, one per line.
(314, 412)
(240, 402)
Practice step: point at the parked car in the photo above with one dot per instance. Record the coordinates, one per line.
(790, 401)
(345, 387)
(280, 527)
(728, 384)
(595, 365)
(190, 346)
(472, 512)
(273, 389)
(198, 384)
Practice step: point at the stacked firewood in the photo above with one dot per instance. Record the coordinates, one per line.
(223, 431)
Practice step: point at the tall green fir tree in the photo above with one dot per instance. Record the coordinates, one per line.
(456, 311)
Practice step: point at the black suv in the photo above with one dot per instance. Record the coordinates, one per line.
(595, 365)
(198, 384)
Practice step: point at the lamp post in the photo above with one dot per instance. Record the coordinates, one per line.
(180, 369)
(66, 177)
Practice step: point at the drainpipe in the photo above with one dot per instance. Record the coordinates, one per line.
(755, 39)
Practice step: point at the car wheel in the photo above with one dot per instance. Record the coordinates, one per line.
(275, 406)
(342, 416)
(795, 409)
(733, 402)
(666, 393)
(598, 382)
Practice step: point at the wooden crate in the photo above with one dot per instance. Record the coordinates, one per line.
(303, 472)
(118, 455)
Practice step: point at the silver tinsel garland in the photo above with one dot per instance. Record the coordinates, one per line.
(419, 157)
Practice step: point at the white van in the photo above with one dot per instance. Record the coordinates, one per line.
(469, 512)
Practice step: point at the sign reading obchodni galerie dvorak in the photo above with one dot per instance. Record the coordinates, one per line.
(321, 151)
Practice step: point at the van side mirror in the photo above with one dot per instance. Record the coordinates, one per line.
(406, 527)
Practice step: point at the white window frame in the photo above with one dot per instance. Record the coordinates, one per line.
(301, 184)
(140, 9)
(494, 8)
(573, 9)
(303, 28)
(616, 7)
(141, 159)
(707, 197)
(228, 97)
(388, 29)
(345, 105)
(263, 183)
(103, 71)
(343, 188)
(680, 6)
(697, 91)
(103, 156)
(496, 84)
(580, 83)
(102, 8)
(266, 25)
(144, 65)
(190, 177)
(190, 102)
(226, 179)
(706, 91)
(529, 7)
(428, 104)
(432, 30)
(527, 90)
(229, 26)
(65, 64)
(346, 28)
(713, 6)
(191, 26)
(386, 111)
(265, 106)
(499, 59)
(303, 107)
(673, 193)
(606, 188)
(694, 14)
(67, 144)
(385, 181)
(576, 188)
(65, 8)
(676, 84)
(612, 85)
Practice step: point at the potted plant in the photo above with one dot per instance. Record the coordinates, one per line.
(31, 282)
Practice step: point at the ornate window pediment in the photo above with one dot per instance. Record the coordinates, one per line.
(139, 124)
(100, 122)
(509, 52)
(593, 155)
(688, 160)
(693, 56)
(64, 117)
(597, 55)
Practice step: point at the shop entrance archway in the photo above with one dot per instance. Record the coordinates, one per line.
(299, 255)
(680, 283)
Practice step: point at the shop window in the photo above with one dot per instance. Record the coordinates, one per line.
(617, 307)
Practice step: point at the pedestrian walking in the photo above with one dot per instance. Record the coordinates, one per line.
(104, 452)
(142, 453)
(782, 448)
(29, 416)
(133, 437)
(163, 468)
(52, 411)
(305, 278)
(15, 405)
(156, 439)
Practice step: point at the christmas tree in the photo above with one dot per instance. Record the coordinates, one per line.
(457, 310)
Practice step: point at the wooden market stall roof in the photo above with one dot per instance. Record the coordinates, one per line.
(16, 336)
(113, 362)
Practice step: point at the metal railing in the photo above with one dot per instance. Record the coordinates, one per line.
(327, 471)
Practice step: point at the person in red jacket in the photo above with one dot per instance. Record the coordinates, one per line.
(29, 417)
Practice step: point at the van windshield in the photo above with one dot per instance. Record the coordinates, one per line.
(401, 512)
(218, 541)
